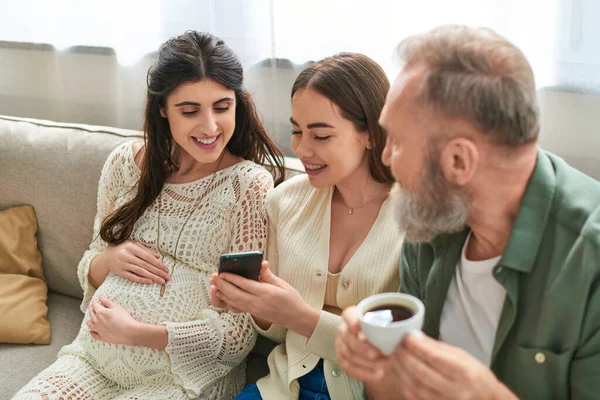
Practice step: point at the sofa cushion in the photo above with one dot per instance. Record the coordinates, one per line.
(256, 368)
(256, 365)
(21, 362)
(23, 310)
(56, 167)
(19, 253)
(23, 290)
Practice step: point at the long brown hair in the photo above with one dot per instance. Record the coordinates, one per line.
(190, 57)
(358, 86)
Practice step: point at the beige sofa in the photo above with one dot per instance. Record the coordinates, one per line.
(55, 167)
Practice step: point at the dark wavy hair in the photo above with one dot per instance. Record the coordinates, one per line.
(358, 86)
(190, 57)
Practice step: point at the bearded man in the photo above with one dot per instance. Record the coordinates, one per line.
(502, 238)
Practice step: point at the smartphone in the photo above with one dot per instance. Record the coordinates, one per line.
(246, 264)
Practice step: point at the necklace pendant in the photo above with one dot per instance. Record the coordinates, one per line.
(351, 211)
(162, 289)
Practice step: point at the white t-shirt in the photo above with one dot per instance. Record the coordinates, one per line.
(472, 308)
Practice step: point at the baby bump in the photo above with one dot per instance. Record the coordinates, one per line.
(129, 366)
(185, 296)
(183, 299)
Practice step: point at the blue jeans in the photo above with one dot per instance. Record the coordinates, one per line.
(312, 387)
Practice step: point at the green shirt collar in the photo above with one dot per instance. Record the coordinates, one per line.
(528, 229)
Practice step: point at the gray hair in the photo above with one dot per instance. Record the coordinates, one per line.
(476, 74)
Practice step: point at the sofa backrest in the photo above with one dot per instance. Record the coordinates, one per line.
(56, 167)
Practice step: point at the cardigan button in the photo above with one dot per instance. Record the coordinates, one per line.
(345, 284)
(319, 274)
(335, 372)
(540, 358)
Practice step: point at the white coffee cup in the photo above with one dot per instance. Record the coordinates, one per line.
(386, 336)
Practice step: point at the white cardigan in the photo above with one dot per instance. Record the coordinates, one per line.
(298, 252)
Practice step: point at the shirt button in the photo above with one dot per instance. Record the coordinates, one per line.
(335, 372)
(318, 274)
(540, 358)
(345, 284)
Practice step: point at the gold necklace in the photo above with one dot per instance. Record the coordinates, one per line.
(351, 209)
(214, 174)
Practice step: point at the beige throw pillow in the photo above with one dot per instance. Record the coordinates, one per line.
(23, 291)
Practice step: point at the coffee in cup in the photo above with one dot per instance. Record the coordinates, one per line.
(386, 318)
(391, 313)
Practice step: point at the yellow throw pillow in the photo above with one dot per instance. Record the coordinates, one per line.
(19, 252)
(23, 291)
(23, 310)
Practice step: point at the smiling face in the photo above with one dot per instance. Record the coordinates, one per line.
(201, 116)
(328, 144)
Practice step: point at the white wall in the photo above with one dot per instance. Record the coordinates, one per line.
(87, 86)
(90, 86)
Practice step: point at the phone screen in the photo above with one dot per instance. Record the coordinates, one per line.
(246, 264)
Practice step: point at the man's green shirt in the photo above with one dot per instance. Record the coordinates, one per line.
(547, 344)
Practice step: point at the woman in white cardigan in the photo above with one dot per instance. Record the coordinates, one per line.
(332, 237)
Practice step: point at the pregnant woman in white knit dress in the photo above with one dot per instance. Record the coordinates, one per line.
(167, 208)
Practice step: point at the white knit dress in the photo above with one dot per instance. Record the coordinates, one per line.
(206, 348)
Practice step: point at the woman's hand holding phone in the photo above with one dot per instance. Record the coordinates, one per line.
(268, 299)
(215, 300)
(246, 264)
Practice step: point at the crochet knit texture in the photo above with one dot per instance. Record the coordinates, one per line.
(206, 347)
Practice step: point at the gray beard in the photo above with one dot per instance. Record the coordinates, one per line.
(439, 208)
